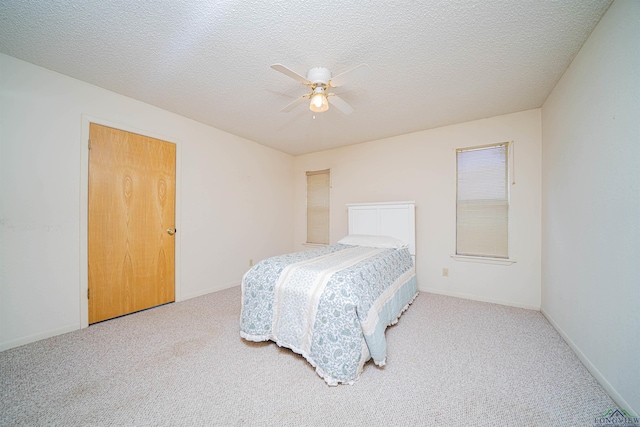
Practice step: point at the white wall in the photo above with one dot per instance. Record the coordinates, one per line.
(591, 204)
(422, 167)
(235, 198)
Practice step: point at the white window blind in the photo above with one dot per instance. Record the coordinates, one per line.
(482, 214)
(318, 207)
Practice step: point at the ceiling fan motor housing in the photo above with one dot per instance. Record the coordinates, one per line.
(319, 76)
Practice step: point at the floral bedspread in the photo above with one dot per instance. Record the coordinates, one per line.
(331, 305)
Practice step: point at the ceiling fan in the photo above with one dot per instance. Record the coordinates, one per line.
(320, 81)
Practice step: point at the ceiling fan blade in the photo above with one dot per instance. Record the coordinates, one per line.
(360, 71)
(340, 104)
(286, 71)
(295, 103)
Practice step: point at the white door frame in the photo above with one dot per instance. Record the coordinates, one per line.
(84, 207)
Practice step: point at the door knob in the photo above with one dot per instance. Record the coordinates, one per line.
(171, 231)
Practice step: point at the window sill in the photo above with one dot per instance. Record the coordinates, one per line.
(484, 260)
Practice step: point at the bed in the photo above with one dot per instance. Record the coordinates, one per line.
(332, 304)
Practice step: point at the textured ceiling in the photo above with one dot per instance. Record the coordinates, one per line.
(433, 63)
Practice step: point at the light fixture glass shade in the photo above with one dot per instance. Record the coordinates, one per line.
(319, 103)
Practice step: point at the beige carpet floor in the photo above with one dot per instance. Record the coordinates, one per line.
(451, 362)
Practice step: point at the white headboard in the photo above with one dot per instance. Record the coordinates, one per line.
(394, 219)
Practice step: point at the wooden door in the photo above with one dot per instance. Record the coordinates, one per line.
(131, 220)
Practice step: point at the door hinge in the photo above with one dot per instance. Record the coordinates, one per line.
(89, 143)
(87, 293)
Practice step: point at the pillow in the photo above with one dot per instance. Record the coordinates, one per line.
(372, 241)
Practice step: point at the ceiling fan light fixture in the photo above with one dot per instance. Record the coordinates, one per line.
(319, 102)
(320, 80)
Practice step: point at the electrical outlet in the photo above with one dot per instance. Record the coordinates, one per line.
(445, 272)
(250, 263)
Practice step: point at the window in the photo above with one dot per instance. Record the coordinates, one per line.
(318, 207)
(482, 209)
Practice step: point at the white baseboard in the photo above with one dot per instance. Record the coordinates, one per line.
(37, 337)
(52, 333)
(482, 299)
(611, 391)
(208, 291)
